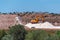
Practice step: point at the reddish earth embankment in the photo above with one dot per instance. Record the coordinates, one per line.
(6, 20)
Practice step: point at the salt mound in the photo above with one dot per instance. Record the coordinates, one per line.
(46, 24)
(30, 25)
(40, 25)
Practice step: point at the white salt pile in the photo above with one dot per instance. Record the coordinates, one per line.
(40, 25)
(46, 24)
(30, 25)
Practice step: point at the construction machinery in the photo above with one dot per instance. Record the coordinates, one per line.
(36, 20)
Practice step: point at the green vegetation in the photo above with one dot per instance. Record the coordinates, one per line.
(42, 35)
(7, 37)
(2, 33)
(36, 35)
(18, 32)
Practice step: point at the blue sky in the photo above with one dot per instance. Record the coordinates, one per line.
(30, 5)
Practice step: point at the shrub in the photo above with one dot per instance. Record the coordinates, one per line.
(2, 33)
(42, 35)
(7, 37)
(36, 35)
(18, 32)
(58, 34)
(53, 37)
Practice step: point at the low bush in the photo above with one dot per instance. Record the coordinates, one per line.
(7, 37)
(42, 35)
(36, 35)
(18, 32)
(2, 33)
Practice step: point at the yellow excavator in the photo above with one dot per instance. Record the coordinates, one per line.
(36, 20)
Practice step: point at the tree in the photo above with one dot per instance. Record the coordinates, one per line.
(18, 32)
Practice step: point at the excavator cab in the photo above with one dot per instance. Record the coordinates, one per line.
(36, 20)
